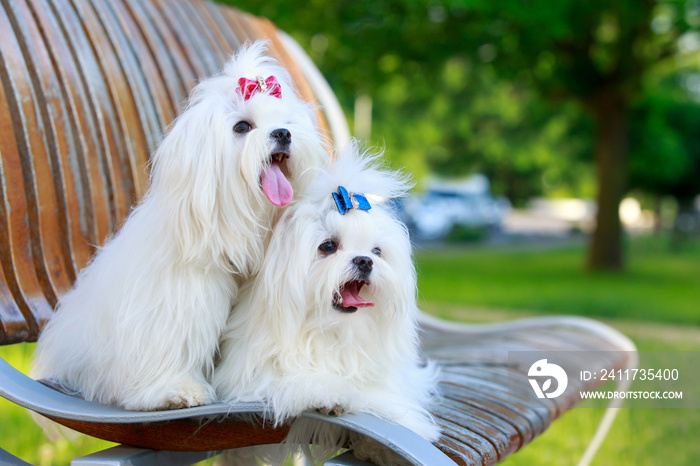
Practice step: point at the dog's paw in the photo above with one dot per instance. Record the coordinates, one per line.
(188, 395)
(335, 411)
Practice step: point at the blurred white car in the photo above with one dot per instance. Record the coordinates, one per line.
(444, 205)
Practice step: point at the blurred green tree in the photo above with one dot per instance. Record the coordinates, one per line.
(592, 55)
(469, 121)
(596, 53)
(439, 104)
(665, 142)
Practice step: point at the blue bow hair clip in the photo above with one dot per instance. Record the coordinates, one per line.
(346, 201)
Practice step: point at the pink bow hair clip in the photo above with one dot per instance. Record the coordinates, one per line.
(249, 87)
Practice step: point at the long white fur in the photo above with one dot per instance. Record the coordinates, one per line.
(141, 326)
(284, 342)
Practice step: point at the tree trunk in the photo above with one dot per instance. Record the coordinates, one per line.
(611, 158)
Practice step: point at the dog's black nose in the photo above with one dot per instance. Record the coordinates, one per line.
(363, 263)
(281, 135)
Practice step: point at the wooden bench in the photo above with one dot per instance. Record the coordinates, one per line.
(86, 89)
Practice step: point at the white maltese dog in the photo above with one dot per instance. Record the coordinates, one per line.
(330, 322)
(141, 326)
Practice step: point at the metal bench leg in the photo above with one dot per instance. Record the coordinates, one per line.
(8, 459)
(609, 416)
(346, 459)
(129, 456)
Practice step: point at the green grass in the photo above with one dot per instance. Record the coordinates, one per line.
(658, 285)
(656, 303)
(639, 436)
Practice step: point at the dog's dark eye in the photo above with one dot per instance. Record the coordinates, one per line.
(328, 247)
(377, 252)
(242, 127)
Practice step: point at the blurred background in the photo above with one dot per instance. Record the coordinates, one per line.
(522, 118)
(555, 146)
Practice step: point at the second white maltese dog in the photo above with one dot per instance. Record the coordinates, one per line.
(141, 326)
(330, 322)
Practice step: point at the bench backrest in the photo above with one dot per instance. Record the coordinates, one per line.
(87, 88)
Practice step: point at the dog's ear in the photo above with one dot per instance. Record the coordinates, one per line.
(284, 277)
(398, 289)
(186, 172)
(397, 253)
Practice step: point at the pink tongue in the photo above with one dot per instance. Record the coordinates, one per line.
(275, 185)
(351, 298)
